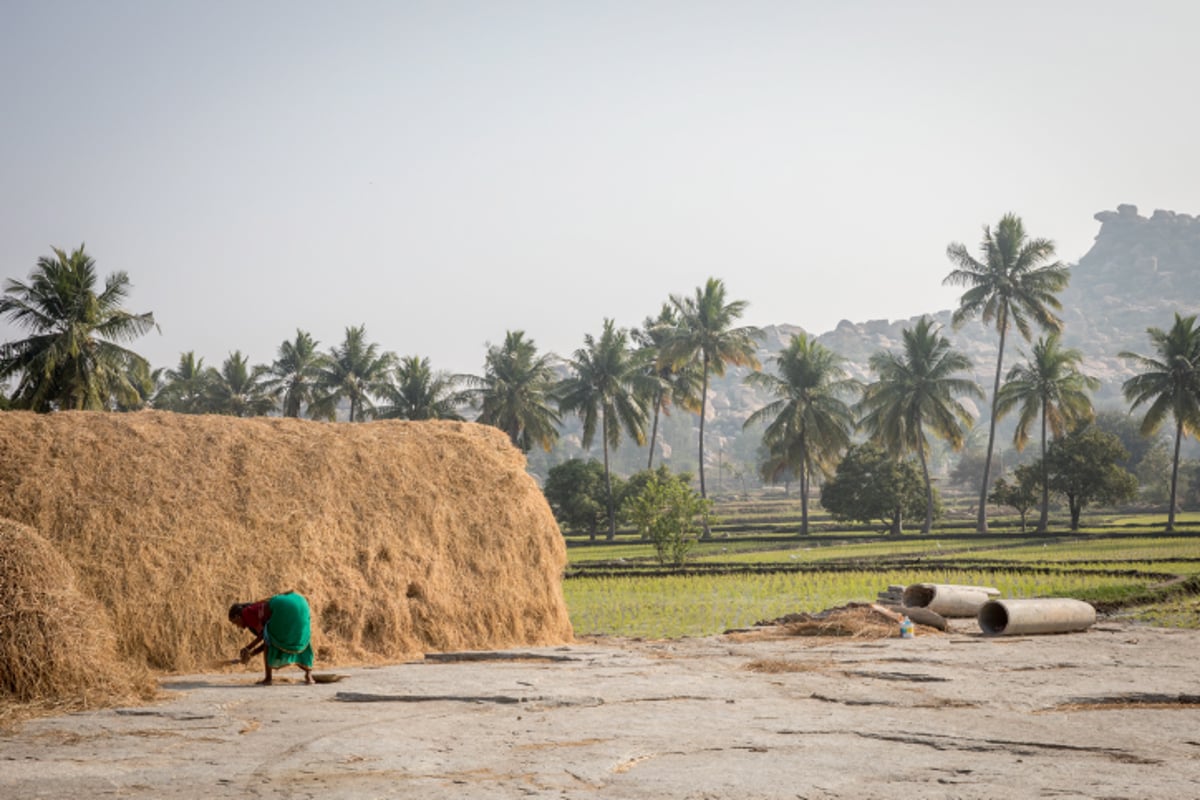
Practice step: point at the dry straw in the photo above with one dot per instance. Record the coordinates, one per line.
(406, 537)
(57, 648)
(854, 620)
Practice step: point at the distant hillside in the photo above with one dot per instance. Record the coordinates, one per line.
(1138, 273)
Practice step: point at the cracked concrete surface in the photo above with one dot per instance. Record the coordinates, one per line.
(1110, 713)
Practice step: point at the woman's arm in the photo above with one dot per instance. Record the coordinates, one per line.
(254, 648)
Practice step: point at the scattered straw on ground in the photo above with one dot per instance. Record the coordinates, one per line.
(775, 666)
(854, 620)
(406, 537)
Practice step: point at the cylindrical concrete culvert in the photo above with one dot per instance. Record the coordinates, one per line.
(945, 599)
(1035, 615)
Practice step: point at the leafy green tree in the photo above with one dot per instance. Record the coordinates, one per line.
(674, 385)
(1170, 385)
(72, 360)
(578, 495)
(1049, 389)
(1022, 494)
(239, 390)
(1154, 477)
(420, 393)
(808, 424)
(606, 388)
(1010, 287)
(516, 392)
(706, 337)
(355, 371)
(871, 485)
(185, 389)
(296, 373)
(669, 513)
(1142, 448)
(636, 482)
(917, 392)
(1082, 466)
(1189, 473)
(967, 471)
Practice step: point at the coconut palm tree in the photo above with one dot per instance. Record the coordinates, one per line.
(72, 360)
(295, 373)
(808, 423)
(239, 390)
(142, 382)
(185, 389)
(608, 386)
(1011, 286)
(1049, 388)
(417, 392)
(516, 392)
(706, 337)
(355, 371)
(673, 385)
(1170, 383)
(917, 392)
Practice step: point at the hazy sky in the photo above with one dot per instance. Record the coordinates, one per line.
(445, 171)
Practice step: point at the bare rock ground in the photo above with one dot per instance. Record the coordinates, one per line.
(1110, 713)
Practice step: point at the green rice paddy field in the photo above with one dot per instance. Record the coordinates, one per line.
(754, 570)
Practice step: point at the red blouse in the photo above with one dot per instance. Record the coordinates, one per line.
(254, 617)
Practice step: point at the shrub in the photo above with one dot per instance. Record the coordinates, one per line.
(668, 513)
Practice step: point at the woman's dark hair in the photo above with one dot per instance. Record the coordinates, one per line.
(235, 611)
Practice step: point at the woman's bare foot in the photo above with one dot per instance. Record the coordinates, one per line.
(264, 682)
(308, 678)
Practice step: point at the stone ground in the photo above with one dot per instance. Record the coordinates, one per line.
(1110, 713)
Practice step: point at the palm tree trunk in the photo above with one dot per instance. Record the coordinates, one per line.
(703, 411)
(928, 526)
(654, 429)
(707, 534)
(1174, 475)
(803, 497)
(982, 525)
(612, 517)
(1044, 520)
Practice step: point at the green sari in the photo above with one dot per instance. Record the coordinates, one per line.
(288, 632)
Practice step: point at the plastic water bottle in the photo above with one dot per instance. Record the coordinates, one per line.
(906, 628)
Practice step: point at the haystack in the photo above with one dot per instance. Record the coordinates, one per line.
(406, 537)
(56, 645)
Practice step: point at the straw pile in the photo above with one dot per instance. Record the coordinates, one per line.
(405, 537)
(854, 620)
(56, 645)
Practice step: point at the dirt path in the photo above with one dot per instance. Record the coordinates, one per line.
(1111, 713)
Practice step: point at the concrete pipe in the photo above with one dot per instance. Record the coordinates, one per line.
(1035, 615)
(923, 616)
(990, 591)
(949, 601)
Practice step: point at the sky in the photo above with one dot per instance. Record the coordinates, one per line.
(443, 172)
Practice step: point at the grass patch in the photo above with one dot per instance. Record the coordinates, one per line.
(702, 605)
